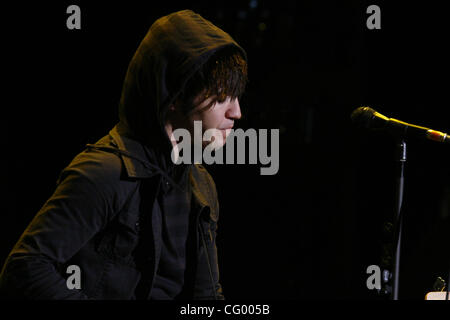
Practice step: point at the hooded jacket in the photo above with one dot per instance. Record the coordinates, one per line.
(103, 222)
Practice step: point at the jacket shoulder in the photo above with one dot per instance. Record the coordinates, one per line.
(103, 170)
(97, 164)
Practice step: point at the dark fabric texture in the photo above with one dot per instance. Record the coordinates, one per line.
(113, 208)
(169, 278)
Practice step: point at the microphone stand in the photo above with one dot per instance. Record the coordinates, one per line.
(400, 155)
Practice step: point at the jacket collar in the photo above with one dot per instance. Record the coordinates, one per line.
(134, 158)
(133, 155)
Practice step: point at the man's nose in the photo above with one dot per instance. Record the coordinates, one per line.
(234, 110)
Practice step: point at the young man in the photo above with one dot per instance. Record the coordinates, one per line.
(129, 221)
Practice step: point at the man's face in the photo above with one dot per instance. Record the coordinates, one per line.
(219, 116)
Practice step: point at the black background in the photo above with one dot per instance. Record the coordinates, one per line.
(312, 229)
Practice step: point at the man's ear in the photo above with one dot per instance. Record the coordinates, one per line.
(173, 113)
(176, 105)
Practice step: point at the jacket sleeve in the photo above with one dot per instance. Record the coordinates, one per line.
(78, 209)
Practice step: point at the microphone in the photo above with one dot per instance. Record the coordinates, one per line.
(365, 117)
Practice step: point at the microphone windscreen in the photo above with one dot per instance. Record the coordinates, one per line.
(362, 117)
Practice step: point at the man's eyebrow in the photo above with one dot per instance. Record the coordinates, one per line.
(209, 105)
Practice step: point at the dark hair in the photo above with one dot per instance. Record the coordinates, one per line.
(223, 75)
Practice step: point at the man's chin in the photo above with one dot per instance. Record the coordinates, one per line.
(218, 140)
(213, 145)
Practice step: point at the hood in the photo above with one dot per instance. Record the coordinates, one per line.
(174, 48)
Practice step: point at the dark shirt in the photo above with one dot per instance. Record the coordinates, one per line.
(175, 206)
